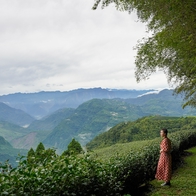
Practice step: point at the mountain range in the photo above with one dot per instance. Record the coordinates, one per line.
(84, 121)
(41, 104)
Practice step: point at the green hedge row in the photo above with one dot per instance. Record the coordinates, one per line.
(76, 175)
(142, 164)
(62, 175)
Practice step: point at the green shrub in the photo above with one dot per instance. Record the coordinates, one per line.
(63, 176)
(84, 175)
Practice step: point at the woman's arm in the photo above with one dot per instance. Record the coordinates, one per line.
(165, 146)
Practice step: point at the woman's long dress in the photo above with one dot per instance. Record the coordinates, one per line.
(164, 167)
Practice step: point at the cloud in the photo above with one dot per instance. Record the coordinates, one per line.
(64, 44)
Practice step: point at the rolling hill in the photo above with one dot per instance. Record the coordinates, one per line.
(142, 129)
(90, 119)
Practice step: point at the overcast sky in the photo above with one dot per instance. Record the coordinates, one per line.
(49, 45)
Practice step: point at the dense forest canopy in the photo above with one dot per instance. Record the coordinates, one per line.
(172, 46)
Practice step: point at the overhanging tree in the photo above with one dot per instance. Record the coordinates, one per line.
(172, 46)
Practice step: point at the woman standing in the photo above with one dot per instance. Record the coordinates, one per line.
(164, 168)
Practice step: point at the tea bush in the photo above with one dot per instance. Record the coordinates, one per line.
(62, 176)
(87, 176)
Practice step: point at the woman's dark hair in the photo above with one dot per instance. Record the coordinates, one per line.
(165, 131)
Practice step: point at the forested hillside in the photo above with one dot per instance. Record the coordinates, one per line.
(141, 129)
(40, 129)
(51, 121)
(99, 115)
(164, 103)
(90, 119)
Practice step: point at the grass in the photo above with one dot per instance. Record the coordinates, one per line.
(183, 180)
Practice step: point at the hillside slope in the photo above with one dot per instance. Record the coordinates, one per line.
(142, 129)
(90, 119)
(15, 116)
(51, 121)
(40, 129)
(7, 152)
(10, 131)
(164, 103)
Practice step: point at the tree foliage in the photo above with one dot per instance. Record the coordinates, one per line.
(39, 148)
(172, 46)
(74, 147)
(40, 155)
(84, 175)
(30, 156)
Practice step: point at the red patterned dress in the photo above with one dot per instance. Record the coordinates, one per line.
(164, 167)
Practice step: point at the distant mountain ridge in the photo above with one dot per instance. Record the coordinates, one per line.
(43, 103)
(90, 118)
(15, 116)
(164, 103)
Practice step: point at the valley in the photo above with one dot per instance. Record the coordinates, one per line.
(97, 112)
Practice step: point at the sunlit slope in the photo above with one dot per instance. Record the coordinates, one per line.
(142, 129)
